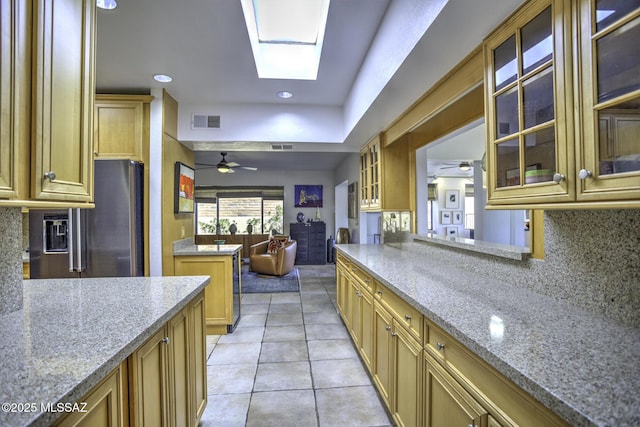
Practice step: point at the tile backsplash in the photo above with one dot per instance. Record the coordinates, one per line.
(10, 259)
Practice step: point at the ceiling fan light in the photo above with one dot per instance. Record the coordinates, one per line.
(464, 166)
(107, 4)
(223, 169)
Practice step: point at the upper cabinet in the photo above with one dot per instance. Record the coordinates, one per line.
(120, 126)
(49, 143)
(384, 175)
(561, 115)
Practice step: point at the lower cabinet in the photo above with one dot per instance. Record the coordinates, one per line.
(163, 383)
(106, 403)
(446, 403)
(423, 375)
(167, 382)
(397, 368)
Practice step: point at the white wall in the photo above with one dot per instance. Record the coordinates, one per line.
(155, 184)
(349, 171)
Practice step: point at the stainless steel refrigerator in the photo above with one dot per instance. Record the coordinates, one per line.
(106, 241)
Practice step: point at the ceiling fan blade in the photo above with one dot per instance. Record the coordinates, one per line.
(249, 168)
(200, 166)
(232, 164)
(231, 170)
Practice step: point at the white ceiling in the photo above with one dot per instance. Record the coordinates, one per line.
(379, 57)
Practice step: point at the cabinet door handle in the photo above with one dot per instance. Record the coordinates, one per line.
(584, 174)
(393, 334)
(407, 317)
(51, 175)
(440, 346)
(379, 293)
(558, 178)
(165, 340)
(388, 328)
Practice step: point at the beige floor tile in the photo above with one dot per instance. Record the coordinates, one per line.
(326, 332)
(289, 307)
(252, 320)
(322, 318)
(249, 334)
(254, 309)
(331, 349)
(282, 319)
(283, 376)
(230, 379)
(339, 373)
(234, 354)
(283, 351)
(337, 407)
(284, 333)
(226, 410)
(295, 408)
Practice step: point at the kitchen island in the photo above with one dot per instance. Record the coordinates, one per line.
(223, 294)
(582, 367)
(72, 333)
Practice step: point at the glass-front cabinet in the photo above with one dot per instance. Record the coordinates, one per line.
(370, 171)
(609, 162)
(562, 90)
(528, 126)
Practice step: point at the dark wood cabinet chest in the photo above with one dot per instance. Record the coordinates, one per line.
(312, 240)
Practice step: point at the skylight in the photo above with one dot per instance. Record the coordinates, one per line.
(286, 36)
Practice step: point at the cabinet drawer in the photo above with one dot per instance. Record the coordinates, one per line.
(364, 278)
(508, 403)
(406, 315)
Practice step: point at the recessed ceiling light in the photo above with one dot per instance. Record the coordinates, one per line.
(107, 4)
(285, 94)
(162, 78)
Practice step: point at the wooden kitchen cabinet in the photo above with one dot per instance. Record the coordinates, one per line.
(360, 314)
(384, 175)
(106, 404)
(48, 85)
(219, 293)
(446, 403)
(167, 381)
(121, 127)
(397, 368)
(562, 97)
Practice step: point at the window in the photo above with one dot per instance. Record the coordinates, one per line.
(251, 210)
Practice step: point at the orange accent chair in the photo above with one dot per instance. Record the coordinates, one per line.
(274, 257)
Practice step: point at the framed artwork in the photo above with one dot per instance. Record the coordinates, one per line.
(445, 217)
(352, 200)
(451, 231)
(183, 201)
(308, 196)
(452, 199)
(457, 217)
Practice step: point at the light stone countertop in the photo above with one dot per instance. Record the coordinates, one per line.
(186, 247)
(584, 367)
(72, 332)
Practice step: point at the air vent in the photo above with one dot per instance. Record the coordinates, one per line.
(202, 121)
(281, 147)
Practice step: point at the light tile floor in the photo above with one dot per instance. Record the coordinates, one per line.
(290, 362)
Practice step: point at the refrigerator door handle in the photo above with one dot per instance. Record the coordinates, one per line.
(70, 239)
(79, 240)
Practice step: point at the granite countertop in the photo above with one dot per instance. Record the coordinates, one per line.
(582, 366)
(72, 332)
(186, 247)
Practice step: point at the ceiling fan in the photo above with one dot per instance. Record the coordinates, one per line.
(224, 166)
(464, 166)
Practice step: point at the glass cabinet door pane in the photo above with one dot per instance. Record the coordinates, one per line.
(505, 63)
(609, 11)
(507, 113)
(619, 138)
(618, 61)
(508, 163)
(537, 42)
(540, 156)
(537, 97)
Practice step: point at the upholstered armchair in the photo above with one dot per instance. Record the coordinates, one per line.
(274, 257)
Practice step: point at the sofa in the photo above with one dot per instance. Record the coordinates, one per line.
(274, 257)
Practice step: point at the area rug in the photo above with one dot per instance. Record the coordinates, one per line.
(253, 283)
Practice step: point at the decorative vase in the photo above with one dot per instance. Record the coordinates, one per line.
(249, 228)
(318, 213)
(233, 229)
